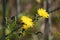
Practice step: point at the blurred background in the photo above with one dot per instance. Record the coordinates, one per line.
(29, 8)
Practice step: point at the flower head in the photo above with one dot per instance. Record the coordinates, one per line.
(43, 13)
(26, 26)
(26, 20)
(38, 1)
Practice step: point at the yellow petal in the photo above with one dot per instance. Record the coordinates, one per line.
(27, 20)
(43, 13)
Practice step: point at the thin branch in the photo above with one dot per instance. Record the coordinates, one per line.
(55, 10)
(3, 20)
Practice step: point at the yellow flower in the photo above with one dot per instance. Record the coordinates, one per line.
(26, 26)
(38, 1)
(43, 13)
(26, 20)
